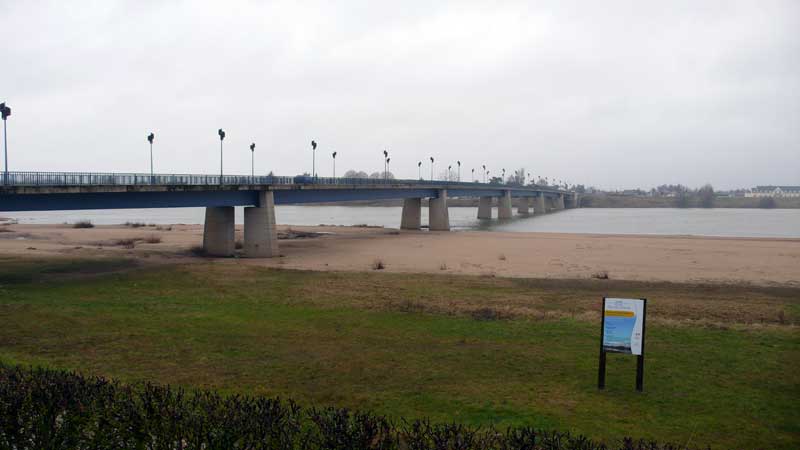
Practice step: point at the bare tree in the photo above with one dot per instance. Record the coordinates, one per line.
(706, 196)
(355, 174)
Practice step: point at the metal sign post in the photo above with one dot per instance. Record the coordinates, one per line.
(622, 330)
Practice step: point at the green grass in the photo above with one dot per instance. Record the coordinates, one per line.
(304, 335)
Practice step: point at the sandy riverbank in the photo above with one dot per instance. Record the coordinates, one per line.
(532, 255)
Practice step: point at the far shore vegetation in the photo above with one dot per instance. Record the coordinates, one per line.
(483, 351)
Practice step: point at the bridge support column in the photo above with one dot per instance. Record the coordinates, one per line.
(560, 201)
(522, 205)
(576, 200)
(412, 214)
(218, 231)
(540, 206)
(438, 217)
(504, 206)
(260, 233)
(485, 208)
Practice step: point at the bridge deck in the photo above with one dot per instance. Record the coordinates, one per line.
(34, 191)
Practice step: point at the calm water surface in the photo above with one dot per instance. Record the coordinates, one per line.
(702, 222)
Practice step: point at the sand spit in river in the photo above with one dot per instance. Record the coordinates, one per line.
(531, 255)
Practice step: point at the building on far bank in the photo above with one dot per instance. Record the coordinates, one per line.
(774, 191)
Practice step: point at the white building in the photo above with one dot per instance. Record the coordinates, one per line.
(774, 191)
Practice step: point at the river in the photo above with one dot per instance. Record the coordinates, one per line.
(665, 221)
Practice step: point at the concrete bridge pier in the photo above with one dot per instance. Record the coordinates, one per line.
(260, 232)
(412, 214)
(523, 203)
(504, 206)
(550, 204)
(539, 204)
(574, 200)
(485, 208)
(219, 232)
(560, 201)
(438, 217)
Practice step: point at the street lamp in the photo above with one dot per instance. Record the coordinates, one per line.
(473, 175)
(431, 168)
(253, 160)
(385, 163)
(5, 111)
(459, 170)
(313, 158)
(503, 180)
(221, 134)
(449, 171)
(419, 169)
(484, 173)
(388, 160)
(150, 138)
(334, 164)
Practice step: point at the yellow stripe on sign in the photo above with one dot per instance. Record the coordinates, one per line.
(610, 312)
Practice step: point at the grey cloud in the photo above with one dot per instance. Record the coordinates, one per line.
(612, 94)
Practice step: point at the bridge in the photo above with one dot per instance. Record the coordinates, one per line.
(57, 191)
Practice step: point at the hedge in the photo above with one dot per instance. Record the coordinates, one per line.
(53, 409)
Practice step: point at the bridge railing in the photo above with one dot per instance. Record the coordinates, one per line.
(115, 179)
(133, 179)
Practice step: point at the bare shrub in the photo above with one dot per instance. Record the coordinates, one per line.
(134, 224)
(127, 242)
(83, 224)
(502, 257)
(443, 266)
(486, 314)
(600, 275)
(164, 228)
(409, 306)
(153, 239)
(378, 265)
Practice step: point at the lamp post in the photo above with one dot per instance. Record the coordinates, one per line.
(150, 138)
(221, 134)
(484, 173)
(431, 168)
(5, 111)
(313, 158)
(385, 156)
(449, 171)
(419, 169)
(333, 155)
(253, 160)
(459, 170)
(388, 160)
(503, 180)
(473, 175)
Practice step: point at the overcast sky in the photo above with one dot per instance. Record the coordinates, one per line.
(614, 94)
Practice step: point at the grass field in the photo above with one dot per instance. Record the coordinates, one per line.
(722, 361)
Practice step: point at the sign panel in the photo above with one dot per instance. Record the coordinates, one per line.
(623, 325)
